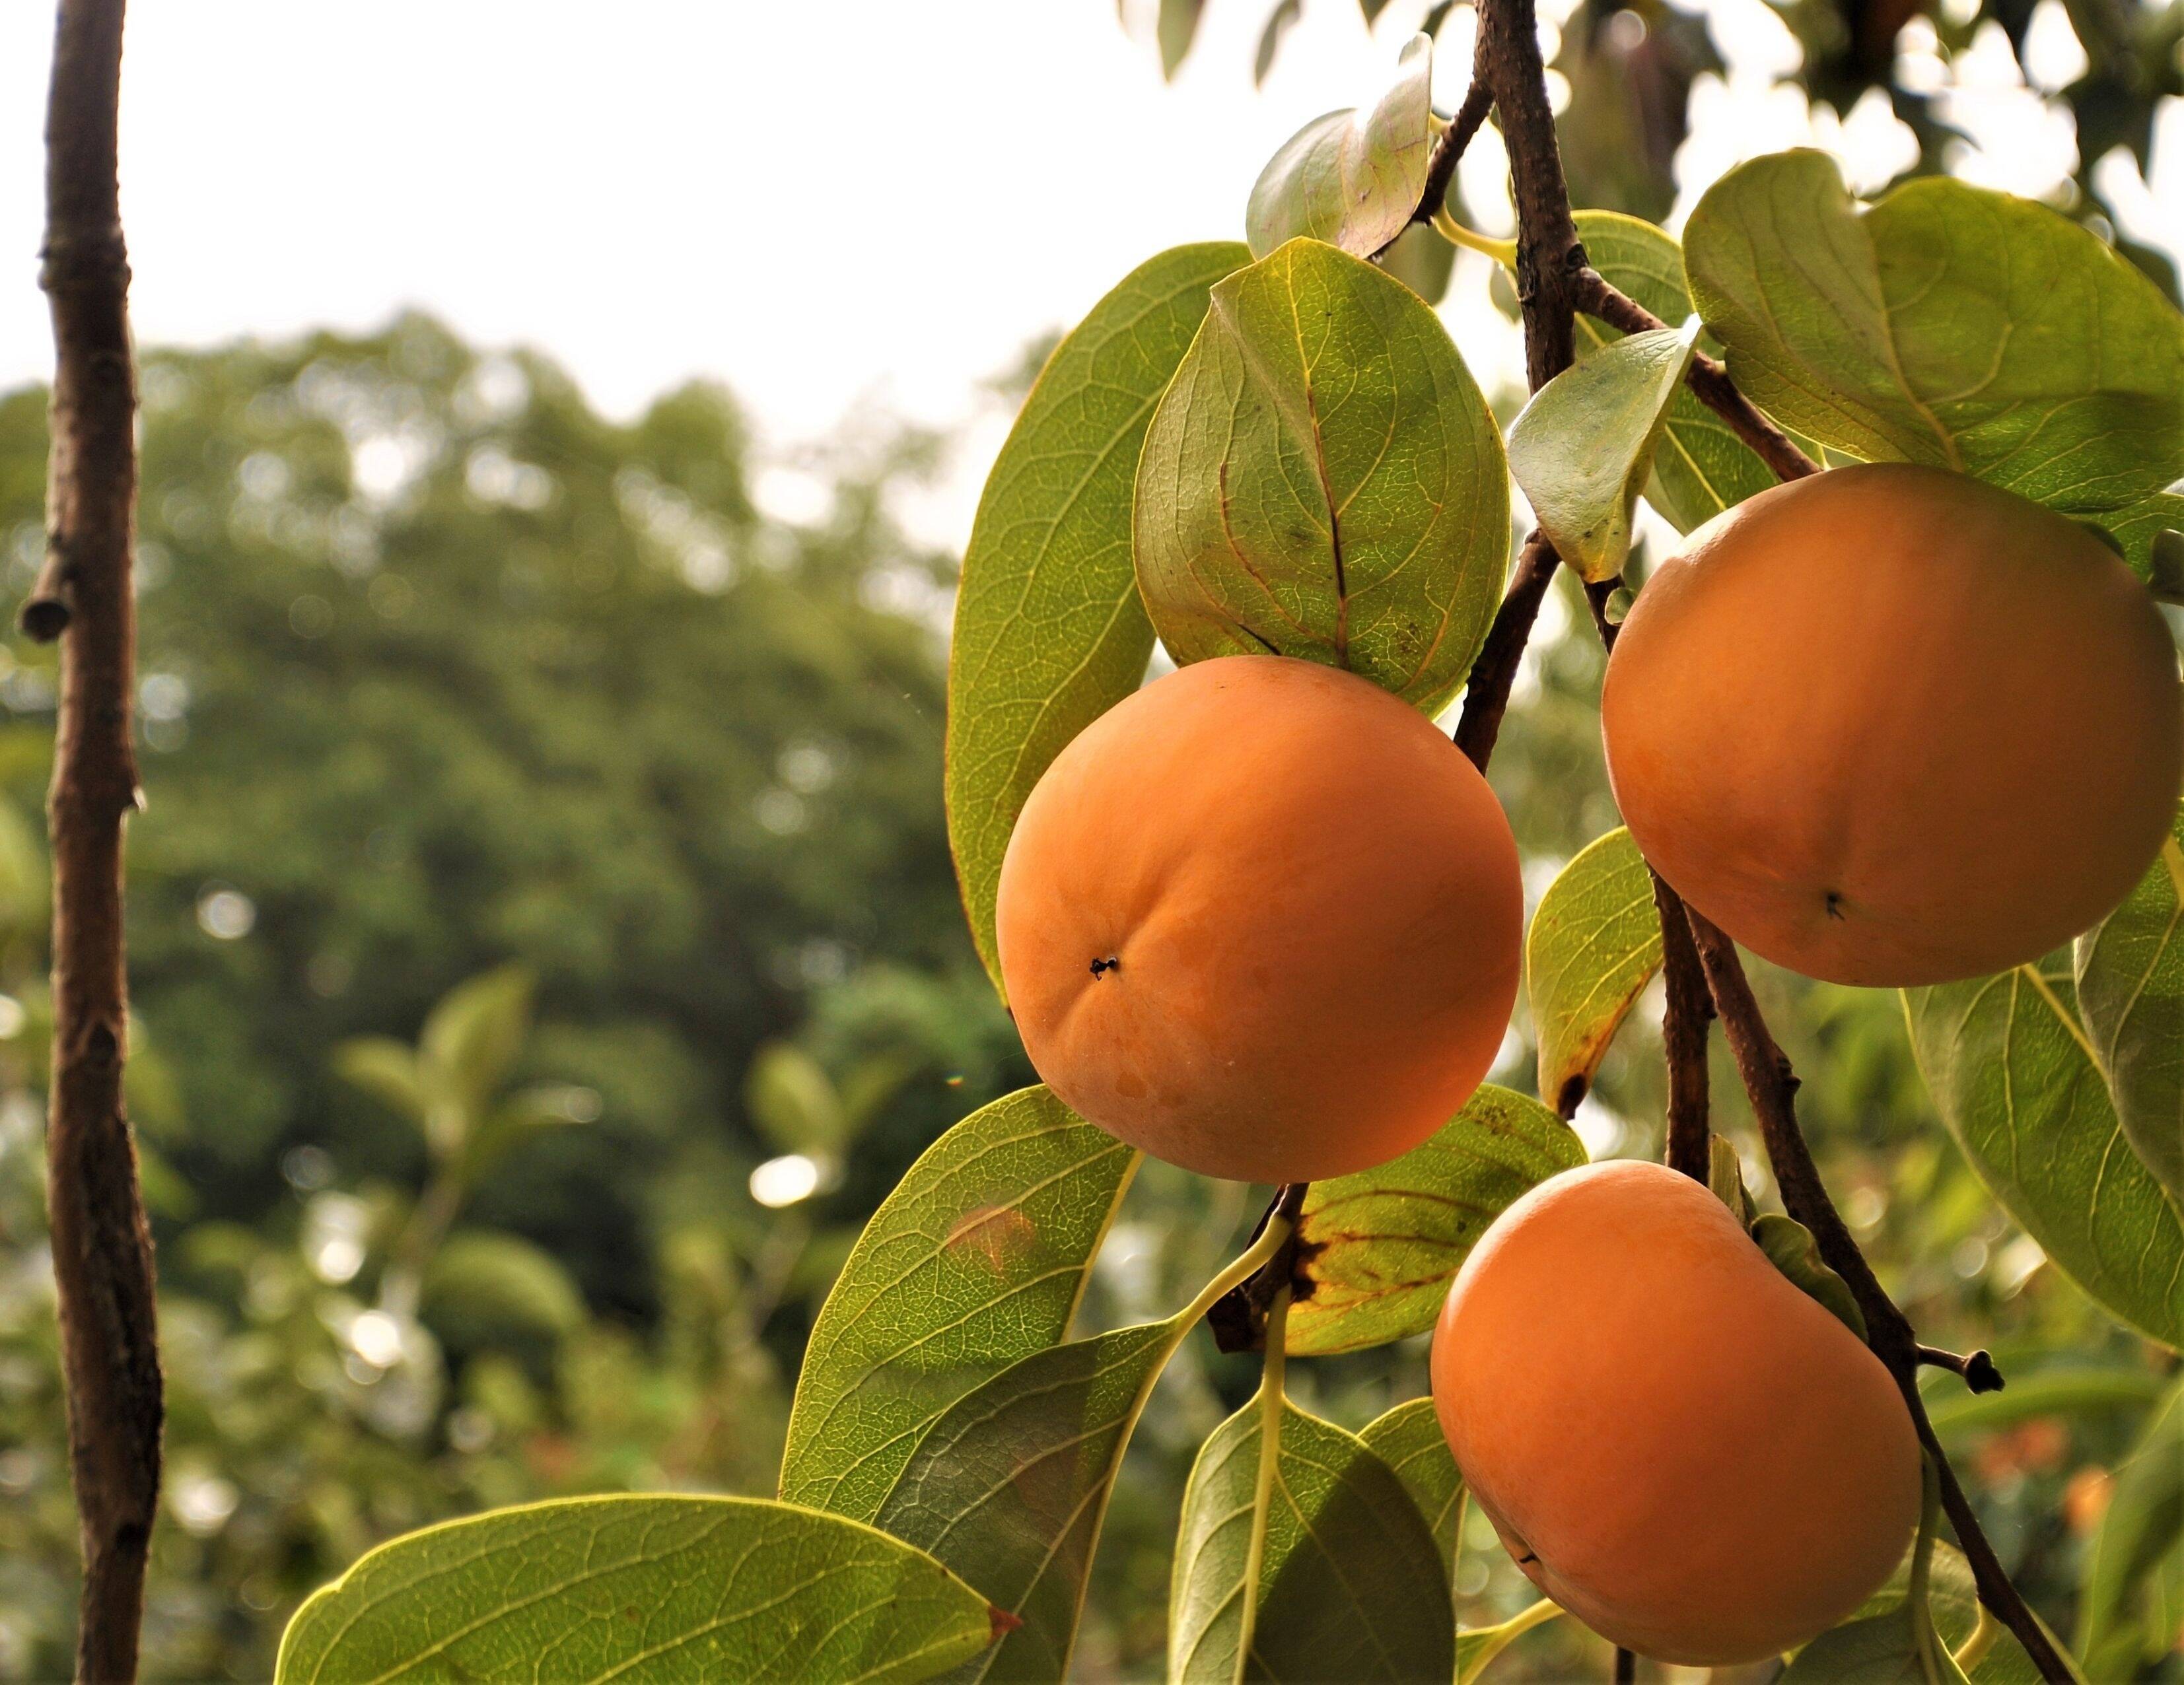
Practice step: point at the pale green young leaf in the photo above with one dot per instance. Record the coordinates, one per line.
(1351, 178)
(386, 1070)
(1594, 945)
(641, 1590)
(794, 1101)
(1380, 1247)
(472, 1040)
(1583, 447)
(1347, 1584)
(975, 1261)
(1725, 1177)
(1323, 480)
(482, 1284)
(2012, 1073)
(1477, 1646)
(1945, 324)
(2141, 1539)
(1700, 467)
(1049, 632)
(1177, 27)
(1408, 1439)
(1010, 1487)
(2131, 990)
(1790, 1247)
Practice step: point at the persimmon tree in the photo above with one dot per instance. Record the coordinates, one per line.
(954, 1441)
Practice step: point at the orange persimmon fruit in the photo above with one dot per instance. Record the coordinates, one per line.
(1680, 1447)
(1261, 920)
(1891, 726)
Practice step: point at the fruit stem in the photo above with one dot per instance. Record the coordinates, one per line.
(1270, 1244)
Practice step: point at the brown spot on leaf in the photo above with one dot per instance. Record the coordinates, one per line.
(997, 1235)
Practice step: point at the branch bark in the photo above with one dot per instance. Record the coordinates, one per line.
(102, 1245)
(1708, 379)
(1683, 1037)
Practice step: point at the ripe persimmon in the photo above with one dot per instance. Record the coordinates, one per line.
(1261, 920)
(1892, 725)
(1677, 1444)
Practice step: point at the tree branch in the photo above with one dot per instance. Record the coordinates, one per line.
(1772, 1087)
(1487, 692)
(1448, 151)
(1683, 1037)
(1708, 379)
(103, 1266)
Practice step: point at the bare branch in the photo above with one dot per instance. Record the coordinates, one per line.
(1683, 1037)
(101, 1246)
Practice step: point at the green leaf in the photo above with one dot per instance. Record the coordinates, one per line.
(1380, 1247)
(482, 1284)
(1345, 1586)
(1049, 631)
(1952, 1601)
(2149, 534)
(638, 1590)
(1422, 261)
(2013, 1075)
(1880, 1650)
(2139, 1538)
(1479, 1645)
(975, 1261)
(2063, 1389)
(1010, 1487)
(1583, 447)
(2130, 973)
(1700, 467)
(1725, 1177)
(467, 1048)
(1946, 325)
(386, 1070)
(1408, 1439)
(1177, 28)
(1278, 24)
(1594, 945)
(794, 1101)
(1790, 1247)
(1351, 178)
(1323, 480)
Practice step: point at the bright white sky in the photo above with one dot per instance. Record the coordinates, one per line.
(822, 202)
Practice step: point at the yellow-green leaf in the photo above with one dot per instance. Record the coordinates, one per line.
(1583, 447)
(1409, 1440)
(2013, 1075)
(1945, 324)
(2130, 989)
(640, 1590)
(1700, 467)
(1380, 1247)
(1049, 632)
(1351, 178)
(1320, 1567)
(1594, 945)
(1323, 480)
(974, 1262)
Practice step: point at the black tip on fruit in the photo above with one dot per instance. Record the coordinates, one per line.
(1109, 963)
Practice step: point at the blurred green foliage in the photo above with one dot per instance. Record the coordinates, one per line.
(540, 839)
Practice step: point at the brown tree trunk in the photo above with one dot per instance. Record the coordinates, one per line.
(101, 1246)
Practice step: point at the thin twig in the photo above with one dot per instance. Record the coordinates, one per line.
(1448, 152)
(1708, 379)
(1772, 1087)
(101, 1246)
(1976, 1370)
(1690, 1010)
(1486, 693)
